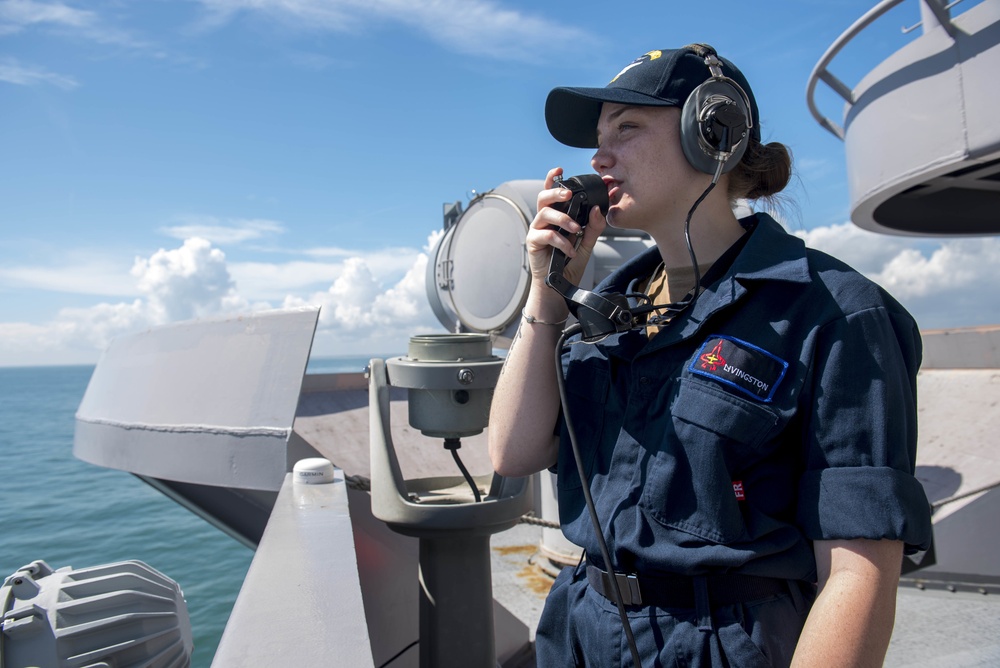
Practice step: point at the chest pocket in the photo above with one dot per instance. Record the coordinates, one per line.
(587, 385)
(708, 437)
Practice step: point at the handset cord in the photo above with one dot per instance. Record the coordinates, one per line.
(676, 307)
(588, 499)
(571, 430)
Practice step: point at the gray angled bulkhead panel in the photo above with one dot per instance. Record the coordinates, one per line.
(207, 401)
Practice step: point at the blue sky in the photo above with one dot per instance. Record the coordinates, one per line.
(163, 160)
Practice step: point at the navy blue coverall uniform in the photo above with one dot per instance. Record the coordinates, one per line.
(779, 409)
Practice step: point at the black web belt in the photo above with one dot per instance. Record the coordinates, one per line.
(678, 591)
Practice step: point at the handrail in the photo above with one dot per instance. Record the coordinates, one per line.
(820, 72)
(938, 12)
(302, 603)
(964, 495)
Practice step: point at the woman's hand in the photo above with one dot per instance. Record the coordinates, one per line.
(543, 236)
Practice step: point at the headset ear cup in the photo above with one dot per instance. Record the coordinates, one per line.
(691, 136)
(698, 150)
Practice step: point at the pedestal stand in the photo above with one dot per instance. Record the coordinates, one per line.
(450, 377)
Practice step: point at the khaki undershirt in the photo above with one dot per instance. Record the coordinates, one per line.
(670, 287)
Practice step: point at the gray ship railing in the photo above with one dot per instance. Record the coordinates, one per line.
(933, 13)
(301, 603)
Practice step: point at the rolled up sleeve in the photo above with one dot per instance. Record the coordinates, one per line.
(861, 434)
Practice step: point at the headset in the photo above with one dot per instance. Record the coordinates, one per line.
(716, 118)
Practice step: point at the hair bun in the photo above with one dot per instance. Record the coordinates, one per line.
(763, 172)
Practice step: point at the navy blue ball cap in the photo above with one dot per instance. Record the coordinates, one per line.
(663, 78)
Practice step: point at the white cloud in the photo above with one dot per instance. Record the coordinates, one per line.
(475, 27)
(363, 310)
(953, 284)
(392, 259)
(20, 338)
(814, 168)
(273, 281)
(75, 335)
(368, 308)
(94, 327)
(75, 274)
(406, 302)
(306, 13)
(483, 28)
(868, 251)
(357, 302)
(943, 284)
(17, 14)
(223, 231)
(189, 282)
(14, 72)
(347, 304)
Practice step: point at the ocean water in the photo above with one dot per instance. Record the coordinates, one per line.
(66, 512)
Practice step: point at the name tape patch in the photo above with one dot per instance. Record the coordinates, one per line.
(740, 365)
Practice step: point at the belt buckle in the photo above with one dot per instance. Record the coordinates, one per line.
(628, 585)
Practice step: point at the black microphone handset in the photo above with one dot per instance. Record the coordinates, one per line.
(598, 315)
(589, 190)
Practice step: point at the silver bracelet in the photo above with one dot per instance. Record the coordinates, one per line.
(532, 320)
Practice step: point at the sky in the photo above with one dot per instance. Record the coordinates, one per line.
(163, 160)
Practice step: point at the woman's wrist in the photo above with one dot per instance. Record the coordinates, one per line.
(532, 320)
(545, 308)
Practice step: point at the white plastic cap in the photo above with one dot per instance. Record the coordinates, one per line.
(312, 471)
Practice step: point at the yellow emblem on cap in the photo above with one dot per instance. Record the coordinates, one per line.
(644, 58)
